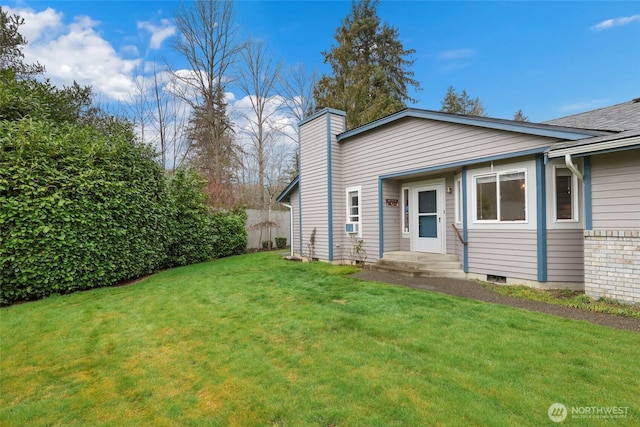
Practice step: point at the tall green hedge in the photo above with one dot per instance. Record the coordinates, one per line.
(197, 233)
(81, 208)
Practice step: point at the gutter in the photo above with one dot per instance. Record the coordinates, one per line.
(586, 149)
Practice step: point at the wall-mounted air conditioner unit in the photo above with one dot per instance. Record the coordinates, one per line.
(351, 228)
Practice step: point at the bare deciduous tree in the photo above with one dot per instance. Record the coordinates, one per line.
(296, 87)
(160, 116)
(258, 84)
(208, 40)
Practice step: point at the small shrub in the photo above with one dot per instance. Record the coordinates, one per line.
(358, 254)
(281, 242)
(266, 244)
(311, 246)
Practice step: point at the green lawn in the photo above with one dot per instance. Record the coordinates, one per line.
(255, 340)
(567, 298)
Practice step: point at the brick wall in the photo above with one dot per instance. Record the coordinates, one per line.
(612, 264)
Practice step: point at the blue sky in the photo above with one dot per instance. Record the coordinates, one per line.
(549, 58)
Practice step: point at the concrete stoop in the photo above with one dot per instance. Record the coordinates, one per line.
(416, 264)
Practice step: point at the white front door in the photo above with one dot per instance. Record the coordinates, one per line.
(428, 216)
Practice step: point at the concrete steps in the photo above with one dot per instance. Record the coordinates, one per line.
(416, 264)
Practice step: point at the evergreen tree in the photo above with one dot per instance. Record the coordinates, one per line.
(451, 102)
(461, 103)
(520, 117)
(370, 68)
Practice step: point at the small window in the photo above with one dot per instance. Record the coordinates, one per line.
(354, 207)
(354, 213)
(565, 194)
(405, 210)
(501, 197)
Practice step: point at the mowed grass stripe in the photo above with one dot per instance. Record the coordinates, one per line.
(256, 340)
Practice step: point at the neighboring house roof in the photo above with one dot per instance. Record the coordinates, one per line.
(617, 118)
(623, 118)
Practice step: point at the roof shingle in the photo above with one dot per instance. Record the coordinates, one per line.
(618, 118)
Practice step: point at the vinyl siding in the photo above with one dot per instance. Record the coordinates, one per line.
(392, 215)
(615, 190)
(313, 185)
(295, 206)
(565, 255)
(315, 177)
(339, 204)
(503, 253)
(414, 144)
(450, 217)
(369, 207)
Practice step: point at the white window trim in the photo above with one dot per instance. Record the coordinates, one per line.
(348, 190)
(402, 221)
(563, 224)
(529, 216)
(457, 194)
(574, 198)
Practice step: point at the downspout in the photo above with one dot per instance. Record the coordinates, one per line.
(290, 225)
(541, 213)
(572, 167)
(465, 222)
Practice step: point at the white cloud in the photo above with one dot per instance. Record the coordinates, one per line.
(130, 50)
(76, 52)
(37, 24)
(159, 33)
(615, 22)
(455, 54)
(278, 122)
(583, 106)
(81, 54)
(184, 83)
(451, 60)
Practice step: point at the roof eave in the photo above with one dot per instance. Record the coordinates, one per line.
(511, 126)
(615, 145)
(321, 113)
(285, 193)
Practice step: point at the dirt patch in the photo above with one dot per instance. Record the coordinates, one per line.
(473, 290)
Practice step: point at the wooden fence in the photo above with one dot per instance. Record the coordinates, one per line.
(258, 230)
